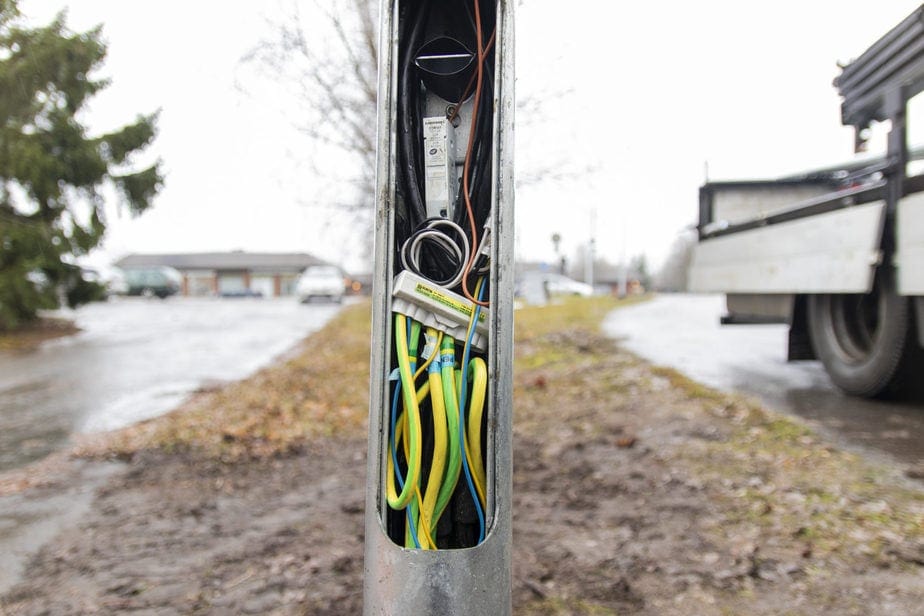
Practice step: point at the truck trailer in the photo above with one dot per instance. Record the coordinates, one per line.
(835, 253)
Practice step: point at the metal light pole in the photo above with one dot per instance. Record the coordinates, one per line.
(462, 580)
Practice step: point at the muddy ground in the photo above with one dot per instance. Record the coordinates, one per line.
(635, 492)
(30, 336)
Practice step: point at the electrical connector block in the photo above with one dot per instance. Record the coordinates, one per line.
(439, 308)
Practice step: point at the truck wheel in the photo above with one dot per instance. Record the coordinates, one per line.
(865, 341)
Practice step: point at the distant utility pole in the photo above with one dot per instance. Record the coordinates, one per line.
(556, 243)
(624, 275)
(591, 250)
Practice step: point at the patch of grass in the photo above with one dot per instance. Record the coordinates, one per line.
(563, 331)
(776, 473)
(31, 335)
(571, 312)
(555, 606)
(543, 358)
(563, 360)
(693, 389)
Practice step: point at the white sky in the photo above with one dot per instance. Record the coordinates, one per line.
(652, 92)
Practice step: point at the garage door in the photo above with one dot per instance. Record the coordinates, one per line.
(262, 285)
(231, 283)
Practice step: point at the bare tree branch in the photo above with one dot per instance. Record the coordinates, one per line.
(325, 55)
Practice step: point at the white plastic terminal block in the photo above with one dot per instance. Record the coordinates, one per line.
(439, 166)
(436, 307)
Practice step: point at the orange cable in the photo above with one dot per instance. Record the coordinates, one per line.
(468, 155)
(471, 82)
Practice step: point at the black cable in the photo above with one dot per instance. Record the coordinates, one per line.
(435, 261)
(408, 116)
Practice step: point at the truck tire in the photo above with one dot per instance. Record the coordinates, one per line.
(865, 341)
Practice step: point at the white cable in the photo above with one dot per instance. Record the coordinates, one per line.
(410, 252)
(438, 237)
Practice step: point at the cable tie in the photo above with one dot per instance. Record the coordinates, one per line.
(395, 375)
(485, 248)
(429, 346)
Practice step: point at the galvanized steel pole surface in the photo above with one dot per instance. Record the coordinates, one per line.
(476, 580)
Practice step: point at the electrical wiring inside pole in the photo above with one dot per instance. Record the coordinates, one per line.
(437, 491)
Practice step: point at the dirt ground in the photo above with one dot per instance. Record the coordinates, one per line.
(30, 336)
(635, 492)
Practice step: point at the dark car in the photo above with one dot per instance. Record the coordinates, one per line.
(159, 282)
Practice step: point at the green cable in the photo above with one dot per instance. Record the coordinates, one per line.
(440, 439)
(413, 506)
(412, 346)
(451, 400)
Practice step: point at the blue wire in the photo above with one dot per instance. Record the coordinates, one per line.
(394, 457)
(463, 389)
(391, 442)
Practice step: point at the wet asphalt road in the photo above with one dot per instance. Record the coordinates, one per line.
(135, 359)
(683, 331)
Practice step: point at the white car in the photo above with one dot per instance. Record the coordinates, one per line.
(557, 284)
(320, 281)
(538, 287)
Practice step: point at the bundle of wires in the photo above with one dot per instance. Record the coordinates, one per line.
(456, 399)
(435, 460)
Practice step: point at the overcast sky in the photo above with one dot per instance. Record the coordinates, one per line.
(646, 94)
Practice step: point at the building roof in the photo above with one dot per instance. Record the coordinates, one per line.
(236, 260)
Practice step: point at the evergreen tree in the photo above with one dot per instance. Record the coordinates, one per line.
(52, 172)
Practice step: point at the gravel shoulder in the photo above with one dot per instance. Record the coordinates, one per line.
(636, 491)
